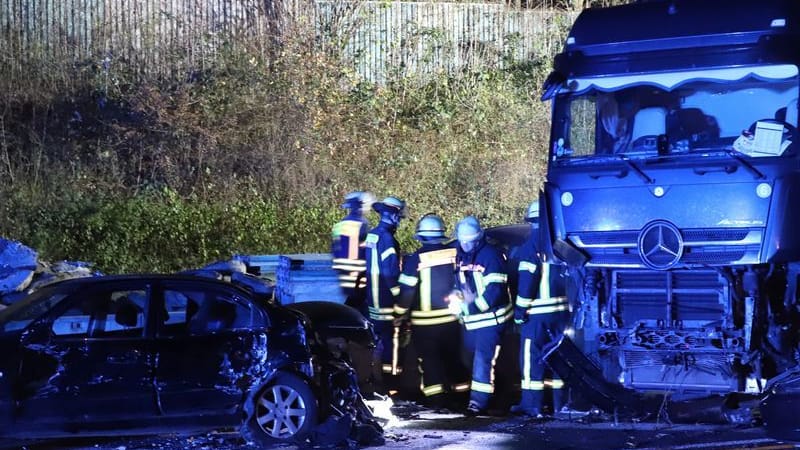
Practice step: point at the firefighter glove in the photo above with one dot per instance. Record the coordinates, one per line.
(468, 296)
(455, 300)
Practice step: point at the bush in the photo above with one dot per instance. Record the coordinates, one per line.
(162, 232)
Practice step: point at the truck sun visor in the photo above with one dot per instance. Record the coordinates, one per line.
(670, 80)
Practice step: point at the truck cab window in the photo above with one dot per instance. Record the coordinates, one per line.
(680, 115)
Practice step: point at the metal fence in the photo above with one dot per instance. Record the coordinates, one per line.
(422, 37)
(146, 33)
(377, 36)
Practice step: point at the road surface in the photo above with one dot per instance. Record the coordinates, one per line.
(417, 428)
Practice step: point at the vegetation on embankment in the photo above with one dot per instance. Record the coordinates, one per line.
(253, 153)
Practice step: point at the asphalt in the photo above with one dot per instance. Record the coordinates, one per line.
(419, 428)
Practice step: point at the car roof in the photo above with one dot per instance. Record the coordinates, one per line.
(71, 286)
(153, 277)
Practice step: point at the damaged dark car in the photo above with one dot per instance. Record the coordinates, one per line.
(149, 354)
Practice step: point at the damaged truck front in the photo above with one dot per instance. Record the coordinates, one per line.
(672, 191)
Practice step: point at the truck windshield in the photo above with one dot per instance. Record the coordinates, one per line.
(752, 111)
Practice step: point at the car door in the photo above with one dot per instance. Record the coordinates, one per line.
(90, 360)
(210, 341)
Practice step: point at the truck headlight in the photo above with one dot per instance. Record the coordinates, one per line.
(566, 198)
(764, 190)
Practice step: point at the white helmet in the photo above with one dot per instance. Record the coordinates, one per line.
(430, 227)
(391, 205)
(468, 230)
(532, 215)
(359, 200)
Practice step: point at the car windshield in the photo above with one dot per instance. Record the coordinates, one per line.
(752, 111)
(22, 313)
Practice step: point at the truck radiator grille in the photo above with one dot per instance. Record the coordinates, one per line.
(701, 247)
(668, 297)
(630, 237)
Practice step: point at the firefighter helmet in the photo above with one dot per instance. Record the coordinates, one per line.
(359, 200)
(468, 230)
(391, 205)
(430, 227)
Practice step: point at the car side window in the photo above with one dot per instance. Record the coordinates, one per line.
(104, 313)
(22, 317)
(193, 311)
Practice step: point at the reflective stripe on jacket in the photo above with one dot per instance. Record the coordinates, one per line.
(541, 288)
(347, 248)
(427, 279)
(383, 271)
(483, 273)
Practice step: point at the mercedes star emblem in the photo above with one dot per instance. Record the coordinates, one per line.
(660, 245)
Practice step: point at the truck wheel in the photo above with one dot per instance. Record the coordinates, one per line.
(285, 410)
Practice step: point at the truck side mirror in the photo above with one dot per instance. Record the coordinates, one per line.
(552, 84)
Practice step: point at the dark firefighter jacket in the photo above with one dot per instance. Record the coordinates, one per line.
(427, 279)
(541, 289)
(483, 272)
(383, 271)
(348, 250)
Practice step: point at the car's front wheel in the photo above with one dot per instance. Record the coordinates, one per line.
(285, 410)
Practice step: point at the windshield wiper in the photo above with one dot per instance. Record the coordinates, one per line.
(636, 169)
(621, 173)
(746, 164)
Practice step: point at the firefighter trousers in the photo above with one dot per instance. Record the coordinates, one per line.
(484, 345)
(537, 332)
(387, 361)
(439, 351)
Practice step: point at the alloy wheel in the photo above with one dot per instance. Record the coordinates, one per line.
(281, 411)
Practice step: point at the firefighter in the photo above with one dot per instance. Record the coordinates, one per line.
(542, 313)
(427, 279)
(347, 248)
(383, 288)
(482, 301)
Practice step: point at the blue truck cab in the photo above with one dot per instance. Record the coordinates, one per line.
(673, 190)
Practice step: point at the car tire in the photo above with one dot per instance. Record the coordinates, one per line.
(283, 411)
